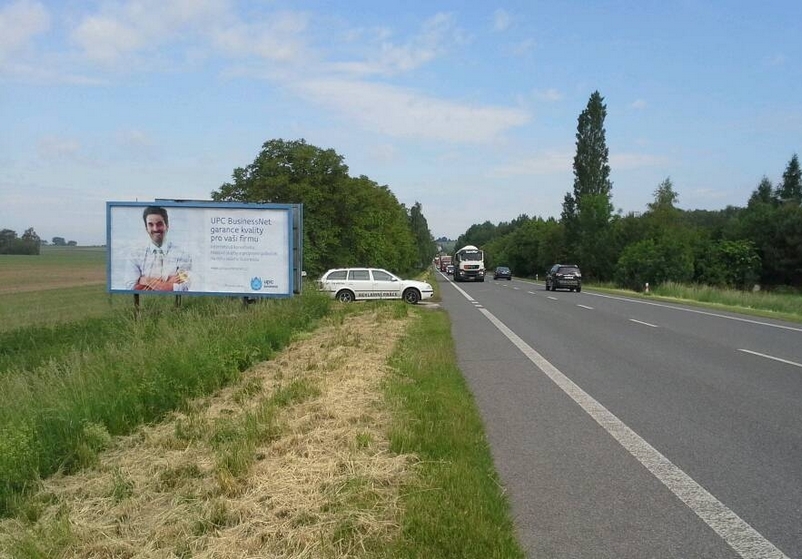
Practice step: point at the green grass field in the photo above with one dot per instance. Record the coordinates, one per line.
(61, 284)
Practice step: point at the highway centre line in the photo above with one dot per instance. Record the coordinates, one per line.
(794, 363)
(644, 323)
(735, 531)
(736, 318)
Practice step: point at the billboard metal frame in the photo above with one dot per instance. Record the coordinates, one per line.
(291, 213)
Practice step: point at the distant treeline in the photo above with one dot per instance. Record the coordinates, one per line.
(28, 243)
(10, 243)
(734, 247)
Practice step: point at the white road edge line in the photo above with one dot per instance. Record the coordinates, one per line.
(744, 539)
(644, 323)
(735, 531)
(794, 363)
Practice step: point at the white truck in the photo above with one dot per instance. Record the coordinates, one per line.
(469, 264)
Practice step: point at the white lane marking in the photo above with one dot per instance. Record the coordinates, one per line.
(794, 363)
(644, 323)
(552, 298)
(585, 307)
(781, 326)
(531, 292)
(735, 531)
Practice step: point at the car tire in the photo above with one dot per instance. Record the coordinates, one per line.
(411, 296)
(578, 289)
(345, 296)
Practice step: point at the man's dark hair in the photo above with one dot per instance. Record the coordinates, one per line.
(155, 210)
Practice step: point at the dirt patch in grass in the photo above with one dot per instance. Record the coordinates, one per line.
(318, 479)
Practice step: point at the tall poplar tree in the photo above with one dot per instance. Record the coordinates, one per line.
(790, 190)
(763, 194)
(587, 212)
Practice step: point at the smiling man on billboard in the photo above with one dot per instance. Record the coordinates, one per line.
(160, 265)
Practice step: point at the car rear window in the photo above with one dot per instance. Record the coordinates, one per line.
(337, 275)
(568, 270)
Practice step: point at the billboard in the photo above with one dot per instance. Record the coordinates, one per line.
(202, 248)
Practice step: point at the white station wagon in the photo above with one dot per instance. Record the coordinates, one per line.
(354, 284)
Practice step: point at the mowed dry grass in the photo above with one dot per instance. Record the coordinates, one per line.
(324, 485)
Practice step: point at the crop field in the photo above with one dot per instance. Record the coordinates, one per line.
(54, 268)
(59, 285)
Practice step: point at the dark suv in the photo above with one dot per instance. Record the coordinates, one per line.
(564, 276)
(502, 272)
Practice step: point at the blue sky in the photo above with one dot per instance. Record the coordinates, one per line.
(469, 108)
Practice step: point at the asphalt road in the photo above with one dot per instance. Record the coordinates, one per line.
(626, 428)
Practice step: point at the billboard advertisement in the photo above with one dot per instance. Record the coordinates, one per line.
(201, 248)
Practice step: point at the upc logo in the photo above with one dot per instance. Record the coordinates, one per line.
(256, 284)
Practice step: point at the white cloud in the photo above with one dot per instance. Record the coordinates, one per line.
(550, 94)
(120, 30)
(524, 47)
(639, 104)
(20, 22)
(627, 161)
(437, 34)
(137, 145)
(278, 39)
(106, 39)
(399, 112)
(54, 147)
(540, 164)
(135, 139)
(562, 161)
(501, 20)
(384, 153)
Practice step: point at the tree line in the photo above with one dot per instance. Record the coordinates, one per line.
(738, 247)
(347, 221)
(28, 243)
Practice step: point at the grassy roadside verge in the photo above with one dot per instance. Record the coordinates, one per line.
(456, 508)
(360, 439)
(94, 382)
